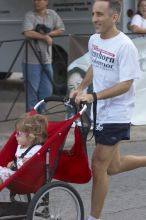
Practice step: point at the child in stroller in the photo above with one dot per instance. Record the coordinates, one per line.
(31, 133)
(43, 179)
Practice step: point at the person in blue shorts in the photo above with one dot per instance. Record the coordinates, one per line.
(113, 71)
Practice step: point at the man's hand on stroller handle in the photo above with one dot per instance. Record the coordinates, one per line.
(84, 98)
(70, 102)
(80, 97)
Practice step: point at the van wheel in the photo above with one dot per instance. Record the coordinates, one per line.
(60, 62)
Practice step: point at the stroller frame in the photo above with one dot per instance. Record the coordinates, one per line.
(48, 201)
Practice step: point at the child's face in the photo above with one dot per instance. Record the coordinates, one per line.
(22, 138)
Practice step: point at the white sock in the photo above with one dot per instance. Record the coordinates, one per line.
(92, 218)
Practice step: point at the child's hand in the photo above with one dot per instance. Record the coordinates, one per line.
(25, 159)
(9, 165)
(21, 162)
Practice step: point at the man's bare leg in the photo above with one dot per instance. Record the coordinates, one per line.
(107, 161)
(101, 159)
(125, 163)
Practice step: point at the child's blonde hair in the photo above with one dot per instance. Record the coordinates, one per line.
(35, 125)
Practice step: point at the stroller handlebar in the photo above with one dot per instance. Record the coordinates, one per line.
(67, 102)
(55, 98)
(48, 99)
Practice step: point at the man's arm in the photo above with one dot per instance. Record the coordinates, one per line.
(56, 32)
(116, 90)
(38, 36)
(43, 36)
(137, 29)
(87, 79)
(84, 84)
(113, 91)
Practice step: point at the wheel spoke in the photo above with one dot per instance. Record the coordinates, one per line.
(57, 202)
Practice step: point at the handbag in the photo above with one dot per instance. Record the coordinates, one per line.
(73, 165)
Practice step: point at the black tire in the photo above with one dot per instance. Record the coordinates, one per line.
(64, 203)
(5, 75)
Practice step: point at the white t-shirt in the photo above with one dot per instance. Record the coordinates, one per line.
(139, 21)
(114, 60)
(29, 154)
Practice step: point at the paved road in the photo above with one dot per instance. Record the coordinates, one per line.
(126, 199)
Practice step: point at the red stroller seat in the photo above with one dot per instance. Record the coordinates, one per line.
(51, 161)
(33, 171)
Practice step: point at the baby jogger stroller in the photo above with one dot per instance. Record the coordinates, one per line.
(43, 178)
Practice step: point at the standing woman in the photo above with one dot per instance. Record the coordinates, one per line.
(40, 26)
(138, 23)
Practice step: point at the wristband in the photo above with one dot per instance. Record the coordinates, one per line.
(94, 96)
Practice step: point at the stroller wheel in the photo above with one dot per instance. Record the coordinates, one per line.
(56, 201)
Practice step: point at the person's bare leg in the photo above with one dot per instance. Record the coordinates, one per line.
(107, 160)
(101, 159)
(125, 163)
